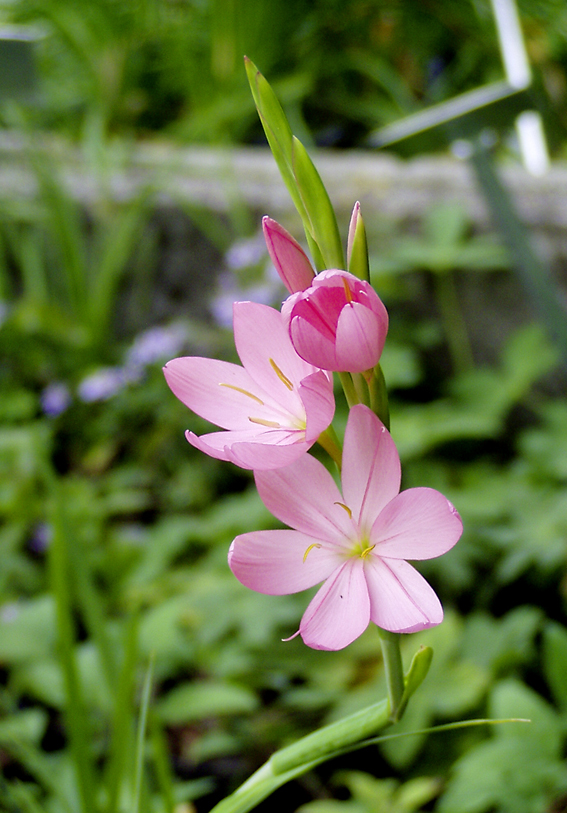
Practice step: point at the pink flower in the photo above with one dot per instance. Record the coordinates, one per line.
(288, 257)
(274, 407)
(338, 323)
(355, 542)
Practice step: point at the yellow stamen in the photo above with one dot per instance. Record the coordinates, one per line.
(347, 291)
(263, 422)
(365, 553)
(280, 375)
(244, 392)
(314, 545)
(347, 509)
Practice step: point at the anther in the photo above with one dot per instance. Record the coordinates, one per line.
(310, 548)
(263, 422)
(347, 509)
(244, 392)
(281, 375)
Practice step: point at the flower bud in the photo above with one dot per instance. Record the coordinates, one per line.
(290, 260)
(339, 323)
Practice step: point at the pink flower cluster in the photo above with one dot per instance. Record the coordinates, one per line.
(272, 409)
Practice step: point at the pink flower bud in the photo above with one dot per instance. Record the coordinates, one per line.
(288, 257)
(339, 323)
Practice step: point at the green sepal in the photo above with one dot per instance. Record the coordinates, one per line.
(322, 221)
(358, 263)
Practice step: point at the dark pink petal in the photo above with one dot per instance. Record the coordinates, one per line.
(287, 256)
(419, 523)
(280, 562)
(264, 347)
(304, 496)
(312, 344)
(400, 598)
(316, 393)
(216, 390)
(360, 339)
(371, 470)
(340, 611)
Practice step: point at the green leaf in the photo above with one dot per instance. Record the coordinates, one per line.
(555, 661)
(322, 221)
(196, 701)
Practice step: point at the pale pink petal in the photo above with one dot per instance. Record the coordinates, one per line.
(400, 598)
(218, 391)
(360, 339)
(340, 611)
(371, 470)
(305, 497)
(313, 345)
(250, 450)
(419, 523)
(264, 347)
(263, 455)
(316, 393)
(280, 562)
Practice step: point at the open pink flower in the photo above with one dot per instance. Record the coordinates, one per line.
(338, 323)
(274, 407)
(288, 257)
(355, 542)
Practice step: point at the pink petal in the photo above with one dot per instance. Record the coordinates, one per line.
(262, 340)
(313, 345)
(401, 600)
(262, 456)
(316, 393)
(419, 523)
(340, 611)
(275, 562)
(287, 256)
(198, 383)
(360, 339)
(371, 470)
(305, 497)
(250, 451)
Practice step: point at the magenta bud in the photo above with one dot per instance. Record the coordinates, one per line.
(290, 260)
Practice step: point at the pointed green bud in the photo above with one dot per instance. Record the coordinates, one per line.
(417, 673)
(357, 246)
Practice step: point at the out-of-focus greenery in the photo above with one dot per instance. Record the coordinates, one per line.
(114, 531)
(342, 68)
(114, 540)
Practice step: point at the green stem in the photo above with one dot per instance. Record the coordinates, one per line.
(330, 443)
(378, 395)
(349, 389)
(454, 324)
(394, 669)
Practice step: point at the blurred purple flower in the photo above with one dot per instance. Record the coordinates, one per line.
(156, 344)
(41, 537)
(246, 252)
(102, 384)
(55, 398)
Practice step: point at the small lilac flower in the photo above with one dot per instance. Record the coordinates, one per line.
(288, 257)
(156, 344)
(356, 543)
(101, 385)
(339, 323)
(55, 398)
(246, 252)
(274, 407)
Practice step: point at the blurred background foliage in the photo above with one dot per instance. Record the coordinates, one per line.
(114, 531)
